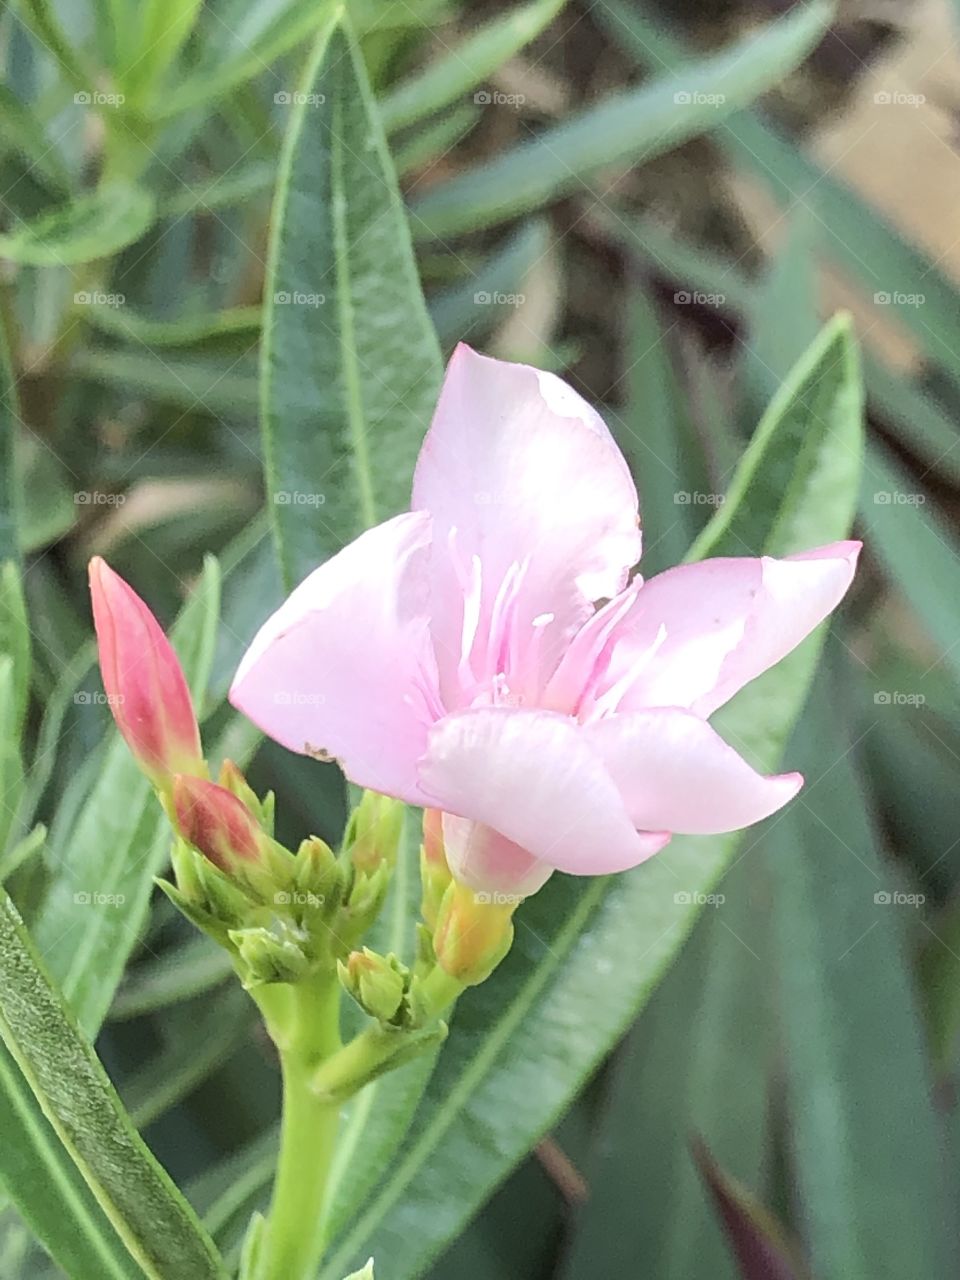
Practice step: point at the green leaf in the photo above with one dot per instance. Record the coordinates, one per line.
(182, 972)
(585, 959)
(656, 435)
(255, 46)
(853, 1044)
(435, 139)
(236, 186)
(939, 979)
(696, 1062)
(10, 496)
(26, 134)
(15, 641)
(41, 18)
(350, 362)
(472, 309)
(49, 1192)
(104, 861)
(162, 28)
(207, 385)
(468, 64)
(806, 454)
(182, 1065)
(852, 233)
(916, 547)
(152, 1218)
(11, 763)
(188, 331)
(638, 124)
(93, 226)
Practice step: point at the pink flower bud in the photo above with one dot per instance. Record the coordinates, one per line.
(216, 822)
(145, 685)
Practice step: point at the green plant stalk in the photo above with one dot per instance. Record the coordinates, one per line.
(304, 1022)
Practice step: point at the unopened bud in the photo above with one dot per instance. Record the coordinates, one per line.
(214, 821)
(435, 875)
(376, 982)
(318, 872)
(268, 956)
(473, 933)
(374, 831)
(146, 689)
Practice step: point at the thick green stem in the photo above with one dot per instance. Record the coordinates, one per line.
(306, 1029)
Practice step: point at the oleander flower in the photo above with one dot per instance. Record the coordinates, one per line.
(458, 656)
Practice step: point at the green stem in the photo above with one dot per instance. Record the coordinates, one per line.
(380, 1048)
(306, 1029)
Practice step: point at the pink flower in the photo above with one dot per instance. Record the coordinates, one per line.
(455, 656)
(144, 682)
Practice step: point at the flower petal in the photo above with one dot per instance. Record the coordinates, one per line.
(674, 771)
(521, 477)
(533, 777)
(345, 666)
(700, 632)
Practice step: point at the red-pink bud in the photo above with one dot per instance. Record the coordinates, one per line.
(216, 822)
(145, 685)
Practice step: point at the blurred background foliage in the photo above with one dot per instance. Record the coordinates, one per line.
(656, 201)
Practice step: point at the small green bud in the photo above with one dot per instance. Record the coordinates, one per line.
(318, 872)
(233, 780)
(270, 955)
(362, 905)
(374, 831)
(377, 983)
(197, 915)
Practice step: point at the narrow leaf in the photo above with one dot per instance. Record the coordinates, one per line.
(465, 66)
(350, 362)
(93, 226)
(636, 125)
(152, 1218)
